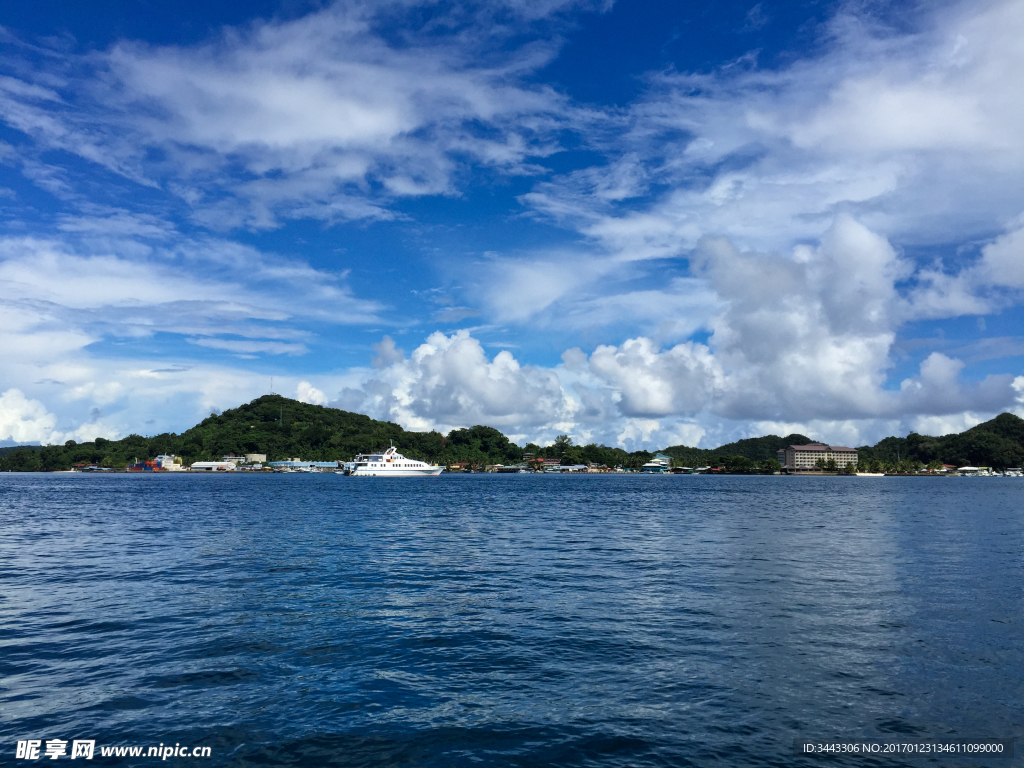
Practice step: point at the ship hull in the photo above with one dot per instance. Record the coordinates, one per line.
(424, 472)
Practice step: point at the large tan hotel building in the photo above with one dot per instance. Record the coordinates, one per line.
(804, 458)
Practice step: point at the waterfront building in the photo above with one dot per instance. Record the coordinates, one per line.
(658, 465)
(162, 463)
(169, 463)
(249, 461)
(804, 458)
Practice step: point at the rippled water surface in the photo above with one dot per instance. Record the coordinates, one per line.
(508, 619)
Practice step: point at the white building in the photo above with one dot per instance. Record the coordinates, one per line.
(169, 463)
(804, 458)
(249, 461)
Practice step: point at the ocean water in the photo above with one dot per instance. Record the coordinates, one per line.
(509, 620)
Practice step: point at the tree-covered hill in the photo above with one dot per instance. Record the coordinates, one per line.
(284, 428)
(756, 449)
(281, 428)
(276, 426)
(997, 443)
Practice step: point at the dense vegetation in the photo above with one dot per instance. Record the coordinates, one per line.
(998, 443)
(568, 454)
(280, 428)
(283, 428)
(743, 455)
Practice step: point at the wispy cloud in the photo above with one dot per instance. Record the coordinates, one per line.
(318, 117)
(247, 347)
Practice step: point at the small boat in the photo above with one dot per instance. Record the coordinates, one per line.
(390, 464)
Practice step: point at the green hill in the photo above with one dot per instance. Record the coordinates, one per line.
(284, 428)
(281, 428)
(997, 443)
(755, 449)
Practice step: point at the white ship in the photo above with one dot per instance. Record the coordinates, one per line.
(390, 464)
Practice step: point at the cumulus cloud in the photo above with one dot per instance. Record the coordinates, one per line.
(810, 336)
(938, 389)
(28, 421)
(1002, 262)
(794, 195)
(23, 420)
(448, 382)
(803, 339)
(649, 382)
(307, 393)
(386, 353)
(915, 136)
(810, 333)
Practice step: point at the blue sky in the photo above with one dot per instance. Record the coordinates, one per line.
(638, 223)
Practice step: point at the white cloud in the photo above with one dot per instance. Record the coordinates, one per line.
(918, 134)
(386, 353)
(651, 383)
(68, 305)
(773, 209)
(251, 347)
(307, 393)
(515, 290)
(809, 334)
(117, 223)
(23, 420)
(319, 116)
(448, 382)
(639, 395)
(1002, 261)
(211, 289)
(883, 138)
